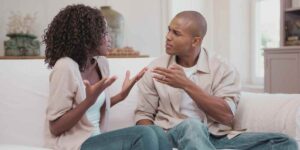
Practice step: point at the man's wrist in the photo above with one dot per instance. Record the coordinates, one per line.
(188, 85)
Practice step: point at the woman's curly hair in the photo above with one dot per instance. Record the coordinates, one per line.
(75, 32)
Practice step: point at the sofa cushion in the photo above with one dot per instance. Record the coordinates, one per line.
(269, 113)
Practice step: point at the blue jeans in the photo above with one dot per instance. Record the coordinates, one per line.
(192, 134)
(132, 138)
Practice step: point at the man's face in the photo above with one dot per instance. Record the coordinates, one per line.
(179, 39)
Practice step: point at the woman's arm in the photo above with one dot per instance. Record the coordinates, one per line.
(71, 117)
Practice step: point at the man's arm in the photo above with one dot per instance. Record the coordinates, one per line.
(148, 101)
(213, 105)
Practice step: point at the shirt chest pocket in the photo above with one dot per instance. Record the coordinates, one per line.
(204, 81)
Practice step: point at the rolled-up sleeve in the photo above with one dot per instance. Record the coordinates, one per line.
(62, 90)
(228, 86)
(148, 99)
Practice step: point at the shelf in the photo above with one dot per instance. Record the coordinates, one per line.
(43, 57)
(294, 9)
(127, 56)
(22, 57)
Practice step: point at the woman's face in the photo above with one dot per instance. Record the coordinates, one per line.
(105, 43)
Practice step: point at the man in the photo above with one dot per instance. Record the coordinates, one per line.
(193, 94)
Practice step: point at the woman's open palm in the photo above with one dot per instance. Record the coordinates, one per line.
(129, 83)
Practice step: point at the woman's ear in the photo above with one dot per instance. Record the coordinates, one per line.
(197, 41)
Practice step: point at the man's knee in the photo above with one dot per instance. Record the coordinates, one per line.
(145, 131)
(157, 129)
(192, 124)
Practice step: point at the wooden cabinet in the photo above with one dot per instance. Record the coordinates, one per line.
(282, 70)
(282, 65)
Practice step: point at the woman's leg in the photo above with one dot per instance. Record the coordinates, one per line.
(163, 141)
(132, 138)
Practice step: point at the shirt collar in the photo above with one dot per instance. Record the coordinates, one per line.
(202, 63)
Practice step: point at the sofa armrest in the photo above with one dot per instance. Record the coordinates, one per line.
(261, 112)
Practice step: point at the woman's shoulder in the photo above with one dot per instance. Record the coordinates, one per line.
(65, 63)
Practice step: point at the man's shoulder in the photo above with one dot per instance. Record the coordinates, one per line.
(216, 61)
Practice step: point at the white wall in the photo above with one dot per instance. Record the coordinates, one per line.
(142, 19)
(232, 34)
(146, 23)
(240, 38)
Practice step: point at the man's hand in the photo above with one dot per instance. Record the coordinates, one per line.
(173, 76)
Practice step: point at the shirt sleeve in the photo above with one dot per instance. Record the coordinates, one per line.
(148, 99)
(63, 87)
(228, 86)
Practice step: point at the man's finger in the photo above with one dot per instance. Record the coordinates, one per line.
(161, 81)
(176, 67)
(162, 73)
(162, 69)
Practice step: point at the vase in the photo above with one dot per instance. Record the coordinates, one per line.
(21, 45)
(115, 23)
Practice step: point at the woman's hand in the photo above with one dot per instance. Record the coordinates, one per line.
(93, 91)
(129, 83)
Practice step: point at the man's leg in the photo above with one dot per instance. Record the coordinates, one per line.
(255, 141)
(191, 134)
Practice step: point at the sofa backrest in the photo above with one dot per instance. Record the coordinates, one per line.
(24, 92)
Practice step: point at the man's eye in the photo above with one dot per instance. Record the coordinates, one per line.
(176, 33)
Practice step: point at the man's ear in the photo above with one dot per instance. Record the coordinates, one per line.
(197, 41)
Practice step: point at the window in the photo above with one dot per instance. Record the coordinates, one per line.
(266, 26)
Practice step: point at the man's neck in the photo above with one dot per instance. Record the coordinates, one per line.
(188, 60)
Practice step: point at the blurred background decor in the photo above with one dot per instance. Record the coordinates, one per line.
(115, 23)
(22, 40)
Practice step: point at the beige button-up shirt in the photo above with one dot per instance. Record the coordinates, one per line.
(160, 103)
(66, 91)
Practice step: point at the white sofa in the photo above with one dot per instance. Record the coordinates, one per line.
(24, 91)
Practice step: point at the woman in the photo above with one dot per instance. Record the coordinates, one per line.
(76, 43)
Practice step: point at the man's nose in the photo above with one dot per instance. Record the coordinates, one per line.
(168, 36)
